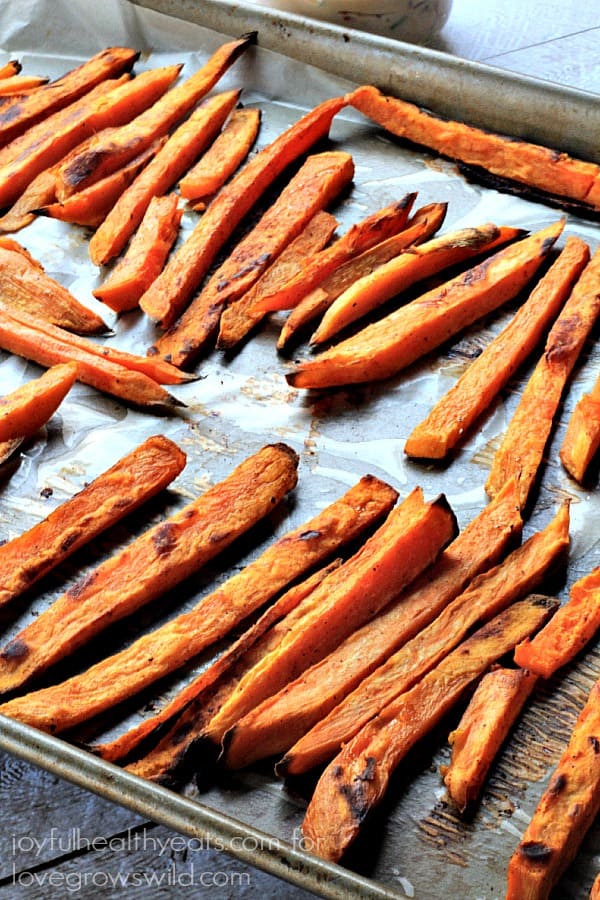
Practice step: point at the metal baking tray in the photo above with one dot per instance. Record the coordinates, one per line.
(414, 845)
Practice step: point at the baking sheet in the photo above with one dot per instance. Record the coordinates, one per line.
(242, 402)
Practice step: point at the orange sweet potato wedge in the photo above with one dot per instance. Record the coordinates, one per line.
(482, 730)
(21, 84)
(384, 348)
(522, 449)
(110, 104)
(91, 206)
(173, 289)
(25, 287)
(423, 224)
(152, 564)
(413, 535)
(224, 156)
(567, 809)
(315, 186)
(408, 268)
(20, 115)
(12, 67)
(131, 481)
(145, 256)
(531, 164)
(105, 155)
(241, 316)
(455, 413)
(558, 643)
(489, 593)
(356, 780)
(360, 237)
(582, 437)
(174, 158)
(26, 409)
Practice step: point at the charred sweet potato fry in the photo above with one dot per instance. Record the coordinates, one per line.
(8, 448)
(25, 287)
(564, 814)
(412, 536)
(223, 157)
(145, 256)
(16, 117)
(182, 275)
(483, 728)
(360, 237)
(107, 154)
(356, 780)
(384, 348)
(120, 490)
(420, 226)
(240, 316)
(170, 646)
(316, 185)
(91, 206)
(25, 410)
(582, 438)
(488, 594)
(155, 562)
(174, 158)
(531, 164)
(12, 67)
(110, 104)
(453, 415)
(577, 623)
(520, 454)
(404, 270)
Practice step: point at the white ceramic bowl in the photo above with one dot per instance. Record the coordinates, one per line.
(406, 20)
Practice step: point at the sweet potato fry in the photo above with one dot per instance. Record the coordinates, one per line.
(394, 342)
(20, 115)
(564, 814)
(173, 289)
(356, 780)
(531, 164)
(240, 316)
(39, 193)
(25, 410)
(453, 415)
(483, 728)
(520, 454)
(321, 687)
(413, 535)
(8, 448)
(21, 84)
(152, 564)
(131, 481)
(91, 206)
(424, 223)
(559, 642)
(595, 891)
(145, 255)
(223, 157)
(174, 158)
(487, 595)
(582, 438)
(24, 286)
(360, 237)
(12, 67)
(48, 346)
(105, 155)
(318, 182)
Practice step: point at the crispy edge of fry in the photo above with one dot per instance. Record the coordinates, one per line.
(223, 157)
(12, 67)
(488, 594)
(577, 621)
(26, 409)
(115, 493)
(355, 781)
(564, 813)
(8, 448)
(582, 437)
(21, 84)
(382, 349)
(476, 741)
(521, 451)
(153, 563)
(458, 409)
